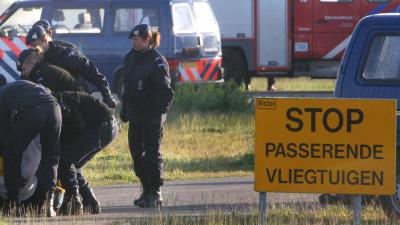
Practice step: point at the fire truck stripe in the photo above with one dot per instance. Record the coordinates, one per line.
(195, 73)
(18, 42)
(209, 72)
(12, 46)
(190, 75)
(183, 73)
(215, 72)
(378, 9)
(338, 48)
(8, 71)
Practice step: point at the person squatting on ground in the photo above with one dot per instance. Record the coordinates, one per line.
(28, 111)
(71, 60)
(88, 127)
(145, 102)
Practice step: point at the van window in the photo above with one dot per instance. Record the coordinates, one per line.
(79, 20)
(205, 18)
(383, 60)
(182, 18)
(21, 20)
(126, 19)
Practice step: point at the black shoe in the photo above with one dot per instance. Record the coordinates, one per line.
(89, 201)
(152, 200)
(142, 197)
(71, 205)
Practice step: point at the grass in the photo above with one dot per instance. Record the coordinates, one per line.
(209, 133)
(276, 215)
(294, 84)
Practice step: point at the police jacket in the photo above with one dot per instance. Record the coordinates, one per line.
(54, 78)
(17, 96)
(148, 93)
(80, 111)
(77, 64)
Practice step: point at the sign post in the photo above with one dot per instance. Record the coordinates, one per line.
(342, 146)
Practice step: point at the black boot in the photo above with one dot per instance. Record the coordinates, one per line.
(142, 196)
(89, 201)
(71, 205)
(49, 204)
(152, 200)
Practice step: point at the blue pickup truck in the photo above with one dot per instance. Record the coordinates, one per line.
(371, 69)
(190, 38)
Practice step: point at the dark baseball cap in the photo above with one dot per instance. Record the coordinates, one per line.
(35, 33)
(22, 57)
(44, 23)
(140, 30)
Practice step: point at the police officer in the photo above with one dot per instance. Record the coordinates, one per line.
(148, 95)
(26, 111)
(49, 31)
(71, 60)
(83, 134)
(50, 76)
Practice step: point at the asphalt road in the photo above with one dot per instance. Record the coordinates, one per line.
(186, 197)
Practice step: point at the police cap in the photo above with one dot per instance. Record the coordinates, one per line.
(35, 33)
(44, 23)
(140, 30)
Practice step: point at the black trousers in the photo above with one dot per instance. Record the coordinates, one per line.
(144, 144)
(44, 119)
(77, 153)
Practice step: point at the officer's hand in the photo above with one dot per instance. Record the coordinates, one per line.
(110, 101)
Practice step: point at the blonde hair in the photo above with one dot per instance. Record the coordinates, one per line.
(36, 56)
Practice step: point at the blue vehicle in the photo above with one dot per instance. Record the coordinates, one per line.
(371, 69)
(190, 38)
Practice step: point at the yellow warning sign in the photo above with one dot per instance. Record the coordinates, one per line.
(343, 146)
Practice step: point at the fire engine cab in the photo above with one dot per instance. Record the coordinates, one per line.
(289, 37)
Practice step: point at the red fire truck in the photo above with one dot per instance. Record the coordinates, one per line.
(271, 38)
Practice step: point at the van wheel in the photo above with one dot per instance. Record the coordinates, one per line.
(119, 87)
(234, 66)
(391, 204)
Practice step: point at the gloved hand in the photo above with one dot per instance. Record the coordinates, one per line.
(12, 207)
(110, 101)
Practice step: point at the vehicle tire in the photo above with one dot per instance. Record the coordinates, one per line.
(391, 203)
(234, 65)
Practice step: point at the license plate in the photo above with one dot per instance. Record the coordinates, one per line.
(188, 65)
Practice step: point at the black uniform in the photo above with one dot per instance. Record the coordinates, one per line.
(148, 95)
(82, 134)
(26, 110)
(55, 78)
(78, 65)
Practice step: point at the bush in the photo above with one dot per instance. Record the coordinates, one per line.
(210, 97)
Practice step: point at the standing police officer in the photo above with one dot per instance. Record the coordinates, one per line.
(71, 60)
(148, 95)
(26, 111)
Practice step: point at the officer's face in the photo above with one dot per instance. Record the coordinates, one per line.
(140, 44)
(42, 42)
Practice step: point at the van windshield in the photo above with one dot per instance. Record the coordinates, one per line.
(20, 21)
(205, 18)
(182, 18)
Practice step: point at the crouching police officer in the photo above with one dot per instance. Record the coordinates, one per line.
(26, 111)
(53, 77)
(148, 95)
(71, 60)
(88, 127)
